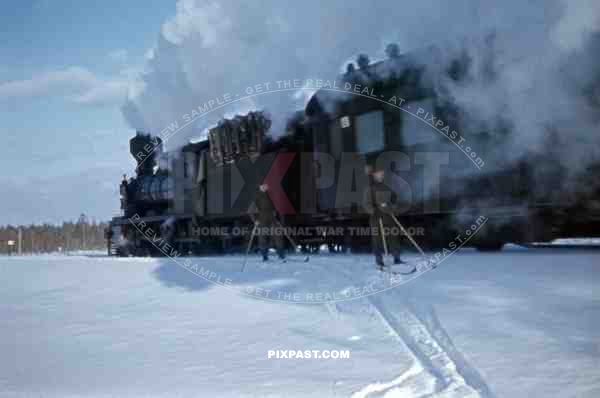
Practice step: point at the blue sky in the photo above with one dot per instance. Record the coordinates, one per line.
(67, 68)
(64, 67)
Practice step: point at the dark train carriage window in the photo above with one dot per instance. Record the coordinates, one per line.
(415, 131)
(370, 132)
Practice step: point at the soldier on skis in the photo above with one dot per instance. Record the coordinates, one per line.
(377, 202)
(267, 223)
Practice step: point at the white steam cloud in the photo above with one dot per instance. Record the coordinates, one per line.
(539, 56)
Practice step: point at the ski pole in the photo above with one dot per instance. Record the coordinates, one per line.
(407, 235)
(385, 248)
(249, 246)
(289, 238)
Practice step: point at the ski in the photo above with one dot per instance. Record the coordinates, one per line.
(397, 272)
(304, 259)
(396, 269)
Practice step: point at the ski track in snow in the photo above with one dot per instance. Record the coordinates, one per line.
(99, 327)
(439, 369)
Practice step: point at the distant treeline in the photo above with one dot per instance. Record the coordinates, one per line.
(48, 238)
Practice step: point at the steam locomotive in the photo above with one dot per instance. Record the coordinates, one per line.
(200, 198)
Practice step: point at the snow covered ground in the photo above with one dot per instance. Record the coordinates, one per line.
(572, 242)
(520, 323)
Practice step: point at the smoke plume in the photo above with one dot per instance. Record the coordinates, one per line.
(531, 65)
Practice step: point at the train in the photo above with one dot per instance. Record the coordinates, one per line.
(198, 199)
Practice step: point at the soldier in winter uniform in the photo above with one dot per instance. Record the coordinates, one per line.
(378, 201)
(267, 223)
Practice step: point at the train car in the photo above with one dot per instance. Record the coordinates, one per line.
(391, 110)
(395, 106)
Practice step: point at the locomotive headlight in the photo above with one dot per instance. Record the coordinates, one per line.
(344, 122)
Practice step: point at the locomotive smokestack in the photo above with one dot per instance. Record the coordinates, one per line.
(144, 148)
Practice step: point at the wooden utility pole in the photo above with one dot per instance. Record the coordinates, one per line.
(20, 242)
